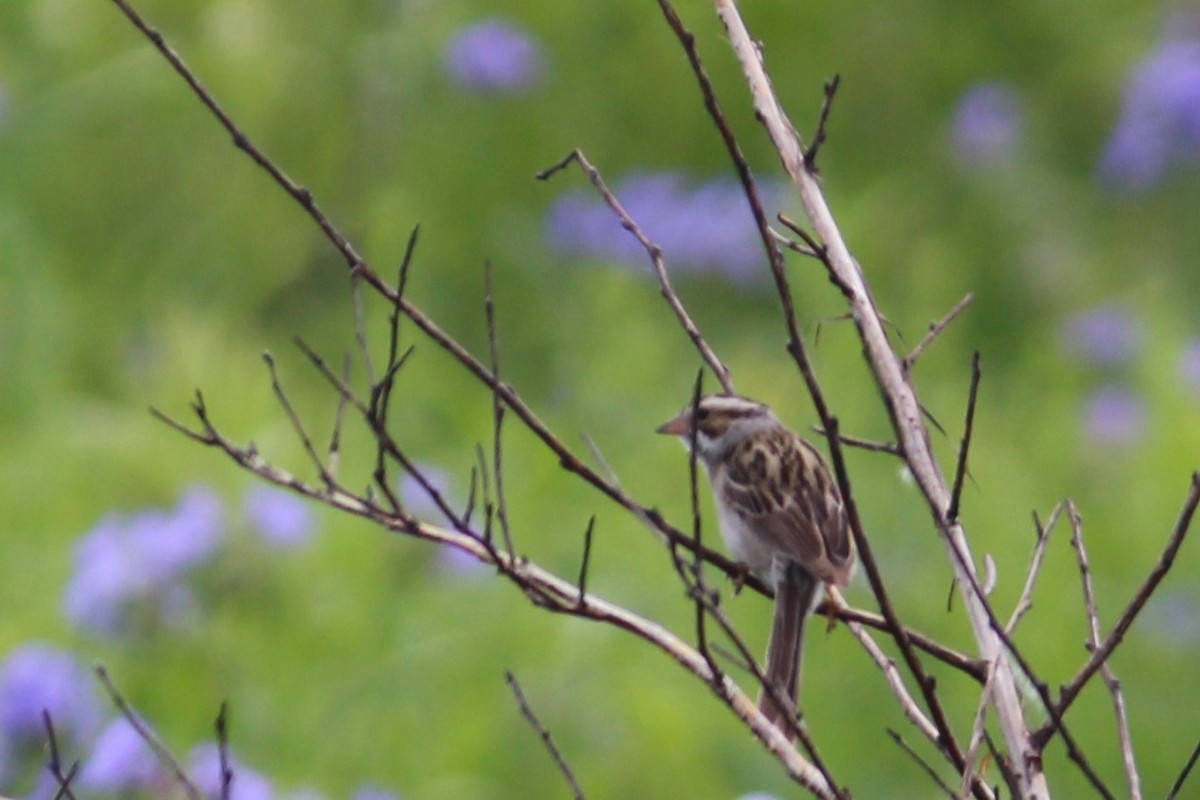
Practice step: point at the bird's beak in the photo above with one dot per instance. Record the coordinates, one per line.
(679, 426)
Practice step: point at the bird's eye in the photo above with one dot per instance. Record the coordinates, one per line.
(701, 414)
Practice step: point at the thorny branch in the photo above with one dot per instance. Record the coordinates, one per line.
(1021, 766)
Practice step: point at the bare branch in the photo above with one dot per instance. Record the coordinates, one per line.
(146, 735)
(225, 763)
(901, 400)
(489, 307)
(960, 470)
(544, 735)
(1183, 773)
(925, 766)
(1101, 653)
(294, 418)
(1025, 602)
(62, 779)
(862, 444)
(818, 139)
(1124, 736)
(935, 329)
(656, 260)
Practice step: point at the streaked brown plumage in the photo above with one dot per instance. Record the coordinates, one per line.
(781, 515)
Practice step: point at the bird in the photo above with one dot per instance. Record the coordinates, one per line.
(781, 517)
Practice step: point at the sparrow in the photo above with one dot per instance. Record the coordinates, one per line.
(781, 516)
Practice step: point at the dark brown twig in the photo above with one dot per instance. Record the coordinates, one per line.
(960, 469)
(297, 424)
(544, 734)
(585, 562)
(656, 260)
(1183, 773)
(146, 735)
(489, 310)
(818, 138)
(925, 766)
(223, 759)
(62, 779)
(891, 448)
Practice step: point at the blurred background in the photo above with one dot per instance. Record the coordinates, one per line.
(1041, 156)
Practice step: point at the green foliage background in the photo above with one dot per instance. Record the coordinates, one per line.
(143, 257)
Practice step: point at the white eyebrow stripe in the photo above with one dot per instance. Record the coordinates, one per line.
(730, 404)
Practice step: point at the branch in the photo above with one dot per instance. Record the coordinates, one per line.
(1101, 653)
(900, 398)
(544, 735)
(935, 330)
(1110, 679)
(62, 779)
(143, 731)
(656, 260)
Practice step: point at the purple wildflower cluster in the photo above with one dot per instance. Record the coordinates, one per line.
(131, 572)
(1159, 125)
(703, 227)
(134, 569)
(134, 565)
(988, 124)
(1107, 339)
(495, 56)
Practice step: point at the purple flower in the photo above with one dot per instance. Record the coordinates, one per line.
(1159, 124)
(1103, 336)
(418, 501)
(987, 126)
(495, 56)
(129, 562)
(172, 543)
(36, 677)
(1115, 416)
(1189, 365)
(282, 519)
(120, 762)
(205, 761)
(705, 227)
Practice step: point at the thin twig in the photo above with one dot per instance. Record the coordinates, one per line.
(697, 585)
(960, 469)
(339, 418)
(1183, 773)
(656, 260)
(922, 763)
(1025, 602)
(223, 759)
(585, 562)
(544, 734)
(61, 778)
(901, 402)
(489, 309)
(891, 448)
(1124, 736)
(935, 329)
(294, 418)
(360, 326)
(977, 740)
(1071, 691)
(146, 735)
(818, 138)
